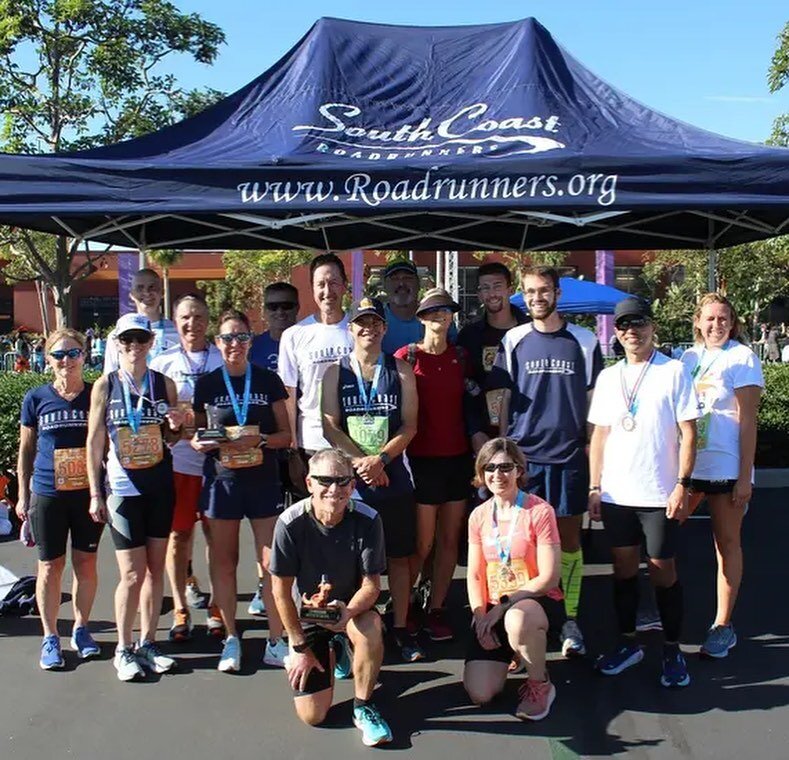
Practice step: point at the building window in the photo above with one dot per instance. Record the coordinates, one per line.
(631, 280)
(97, 310)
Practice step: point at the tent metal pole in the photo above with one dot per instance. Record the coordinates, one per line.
(439, 268)
(712, 260)
(142, 249)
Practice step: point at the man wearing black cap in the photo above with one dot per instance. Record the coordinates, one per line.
(369, 405)
(641, 457)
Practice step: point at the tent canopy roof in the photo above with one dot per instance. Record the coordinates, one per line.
(362, 135)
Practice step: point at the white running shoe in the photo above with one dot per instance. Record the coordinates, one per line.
(276, 652)
(152, 658)
(230, 659)
(126, 664)
(572, 640)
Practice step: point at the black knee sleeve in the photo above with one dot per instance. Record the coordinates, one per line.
(626, 603)
(670, 605)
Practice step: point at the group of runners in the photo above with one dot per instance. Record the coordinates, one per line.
(350, 441)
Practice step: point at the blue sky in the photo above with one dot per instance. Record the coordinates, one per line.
(701, 61)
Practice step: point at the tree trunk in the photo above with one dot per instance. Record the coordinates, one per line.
(62, 298)
(166, 280)
(41, 296)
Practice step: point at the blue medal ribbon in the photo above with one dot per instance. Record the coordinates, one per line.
(630, 396)
(134, 415)
(240, 411)
(357, 370)
(505, 552)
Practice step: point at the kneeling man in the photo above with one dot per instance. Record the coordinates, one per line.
(333, 548)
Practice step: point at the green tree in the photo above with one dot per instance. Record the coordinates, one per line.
(777, 77)
(79, 73)
(165, 258)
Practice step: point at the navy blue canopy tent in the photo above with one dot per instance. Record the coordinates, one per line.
(477, 137)
(581, 297)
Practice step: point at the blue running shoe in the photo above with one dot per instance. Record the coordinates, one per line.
(675, 670)
(83, 644)
(257, 606)
(374, 728)
(343, 664)
(623, 658)
(51, 656)
(720, 639)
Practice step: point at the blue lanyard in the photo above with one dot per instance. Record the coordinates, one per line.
(357, 370)
(630, 396)
(240, 412)
(190, 375)
(134, 416)
(504, 553)
(698, 372)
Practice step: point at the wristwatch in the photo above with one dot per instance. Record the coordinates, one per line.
(300, 648)
(684, 482)
(385, 458)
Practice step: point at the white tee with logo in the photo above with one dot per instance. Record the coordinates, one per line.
(640, 466)
(306, 351)
(720, 373)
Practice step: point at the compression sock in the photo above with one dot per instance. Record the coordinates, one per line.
(670, 605)
(626, 603)
(572, 574)
(189, 571)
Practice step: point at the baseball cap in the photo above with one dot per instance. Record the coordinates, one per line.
(436, 298)
(632, 306)
(367, 306)
(130, 322)
(401, 265)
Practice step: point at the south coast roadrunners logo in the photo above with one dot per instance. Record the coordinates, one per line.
(469, 130)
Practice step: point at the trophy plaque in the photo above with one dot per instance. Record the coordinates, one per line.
(214, 431)
(314, 608)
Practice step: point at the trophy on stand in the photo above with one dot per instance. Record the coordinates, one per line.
(214, 431)
(314, 608)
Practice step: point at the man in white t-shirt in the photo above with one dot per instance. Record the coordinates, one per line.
(306, 351)
(641, 456)
(146, 293)
(184, 363)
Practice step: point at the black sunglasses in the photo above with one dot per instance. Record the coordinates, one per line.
(636, 322)
(134, 336)
(281, 305)
(71, 353)
(328, 480)
(228, 338)
(505, 467)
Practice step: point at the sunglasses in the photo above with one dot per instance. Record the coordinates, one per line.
(61, 354)
(328, 480)
(134, 336)
(436, 310)
(281, 305)
(228, 338)
(505, 467)
(636, 322)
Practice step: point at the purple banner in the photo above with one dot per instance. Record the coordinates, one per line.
(604, 274)
(127, 266)
(357, 274)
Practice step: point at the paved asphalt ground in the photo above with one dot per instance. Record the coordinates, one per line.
(734, 708)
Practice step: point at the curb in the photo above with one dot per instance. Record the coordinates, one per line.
(772, 478)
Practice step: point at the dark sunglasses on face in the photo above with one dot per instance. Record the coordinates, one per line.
(636, 322)
(71, 353)
(281, 305)
(328, 480)
(228, 338)
(505, 467)
(139, 336)
(437, 310)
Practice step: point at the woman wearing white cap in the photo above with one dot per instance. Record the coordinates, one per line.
(136, 408)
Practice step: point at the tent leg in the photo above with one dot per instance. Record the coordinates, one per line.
(712, 270)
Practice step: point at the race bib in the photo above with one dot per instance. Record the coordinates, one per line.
(71, 469)
(703, 431)
(505, 579)
(489, 357)
(494, 400)
(188, 430)
(139, 451)
(235, 460)
(369, 433)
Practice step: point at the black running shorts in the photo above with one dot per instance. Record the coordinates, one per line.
(53, 518)
(135, 519)
(634, 526)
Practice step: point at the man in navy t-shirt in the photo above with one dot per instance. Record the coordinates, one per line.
(281, 308)
(548, 369)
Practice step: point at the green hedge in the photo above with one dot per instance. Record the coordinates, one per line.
(772, 448)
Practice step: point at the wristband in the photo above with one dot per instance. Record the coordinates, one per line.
(300, 648)
(385, 458)
(97, 496)
(594, 489)
(684, 482)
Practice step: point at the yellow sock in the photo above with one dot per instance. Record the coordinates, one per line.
(572, 573)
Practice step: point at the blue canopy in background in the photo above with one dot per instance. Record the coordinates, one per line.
(581, 297)
(489, 137)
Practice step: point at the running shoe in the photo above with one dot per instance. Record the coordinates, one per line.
(437, 627)
(276, 652)
(152, 658)
(83, 644)
(374, 728)
(410, 649)
(51, 655)
(572, 639)
(675, 669)
(623, 658)
(214, 624)
(182, 626)
(257, 606)
(230, 659)
(720, 639)
(343, 663)
(126, 664)
(194, 597)
(535, 699)
(648, 620)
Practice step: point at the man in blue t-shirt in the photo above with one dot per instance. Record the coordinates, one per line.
(281, 308)
(548, 369)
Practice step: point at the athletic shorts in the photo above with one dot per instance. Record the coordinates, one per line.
(186, 511)
(319, 640)
(564, 486)
(554, 611)
(135, 519)
(52, 518)
(632, 526)
(712, 487)
(398, 515)
(438, 480)
(230, 500)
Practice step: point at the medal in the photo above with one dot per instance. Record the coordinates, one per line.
(242, 410)
(368, 419)
(134, 415)
(628, 423)
(162, 407)
(629, 420)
